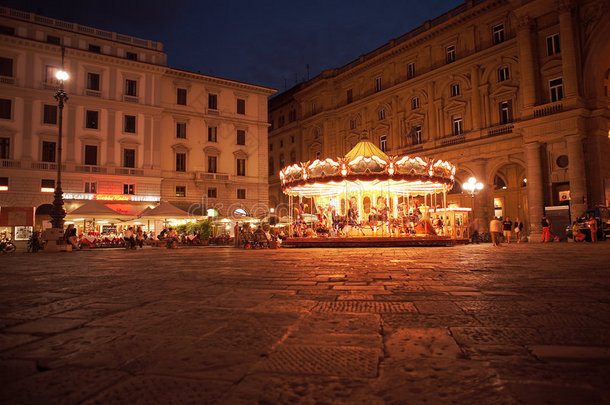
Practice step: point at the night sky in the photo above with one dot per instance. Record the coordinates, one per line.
(267, 43)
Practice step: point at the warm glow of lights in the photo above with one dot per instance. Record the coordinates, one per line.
(3, 188)
(112, 197)
(47, 190)
(272, 210)
(472, 185)
(62, 75)
(79, 219)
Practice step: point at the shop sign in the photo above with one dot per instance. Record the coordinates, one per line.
(111, 197)
(108, 229)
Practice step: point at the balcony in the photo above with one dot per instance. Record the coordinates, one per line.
(90, 169)
(212, 176)
(453, 140)
(7, 80)
(8, 163)
(46, 166)
(131, 99)
(548, 109)
(128, 171)
(501, 130)
(93, 93)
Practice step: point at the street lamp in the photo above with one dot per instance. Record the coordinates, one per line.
(58, 213)
(473, 187)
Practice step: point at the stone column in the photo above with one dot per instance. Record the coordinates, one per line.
(535, 195)
(568, 50)
(431, 112)
(576, 174)
(483, 201)
(526, 62)
(111, 139)
(476, 98)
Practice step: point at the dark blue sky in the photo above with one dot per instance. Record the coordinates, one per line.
(261, 42)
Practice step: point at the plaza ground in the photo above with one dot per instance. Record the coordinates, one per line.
(473, 324)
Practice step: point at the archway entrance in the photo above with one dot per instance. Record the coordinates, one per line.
(509, 192)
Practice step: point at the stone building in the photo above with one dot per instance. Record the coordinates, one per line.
(134, 130)
(513, 92)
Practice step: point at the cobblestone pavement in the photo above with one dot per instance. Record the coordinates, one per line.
(472, 324)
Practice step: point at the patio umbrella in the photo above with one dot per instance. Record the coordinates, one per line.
(95, 210)
(164, 211)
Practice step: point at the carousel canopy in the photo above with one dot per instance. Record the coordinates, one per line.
(366, 166)
(94, 209)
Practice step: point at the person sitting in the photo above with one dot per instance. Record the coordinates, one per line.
(172, 239)
(70, 236)
(128, 237)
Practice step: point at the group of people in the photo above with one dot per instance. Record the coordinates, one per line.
(505, 228)
(261, 237)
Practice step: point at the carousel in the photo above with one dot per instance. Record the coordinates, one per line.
(369, 198)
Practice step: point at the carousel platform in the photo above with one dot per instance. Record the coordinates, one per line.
(358, 242)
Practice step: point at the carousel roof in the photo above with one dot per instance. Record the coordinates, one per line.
(366, 166)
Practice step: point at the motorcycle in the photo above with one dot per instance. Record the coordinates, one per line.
(7, 246)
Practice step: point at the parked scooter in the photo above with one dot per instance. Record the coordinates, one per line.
(7, 246)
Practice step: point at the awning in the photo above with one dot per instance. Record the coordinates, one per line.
(95, 209)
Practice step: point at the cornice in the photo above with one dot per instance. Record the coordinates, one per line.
(184, 74)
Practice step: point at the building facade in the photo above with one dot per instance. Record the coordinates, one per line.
(135, 131)
(515, 93)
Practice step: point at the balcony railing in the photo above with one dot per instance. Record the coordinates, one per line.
(90, 169)
(93, 93)
(130, 99)
(548, 110)
(454, 140)
(129, 171)
(7, 80)
(212, 176)
(503, 130)
(10, 163)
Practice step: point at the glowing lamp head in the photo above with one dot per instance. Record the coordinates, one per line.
(62, 75)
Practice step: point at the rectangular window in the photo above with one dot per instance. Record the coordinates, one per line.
(291, 138)
(180, 191)
(49, 74)
(7, 30)
(241, 167)
(455, 89)
(378, 84)
(314, 109)
(292, 116)
(212, 192)
(241, 193)
(93, 81)
(270, 147)
(130, 124)
(90, 187)
(350, 96)
(450, 53)
(383, 143)
(6, 67)
(91, 155)
(457, 124)
(415, 103)
(381, 115)
(129, 189)
(213, 101)
(181, 162)
(91, 119)
(181, 130)
(556, 89)
(3, 183)
(47, 185)
(417, 135)
(5, 148)
(212, 134)
(241, 137)
(212, 164)
(498, 34)
(352, 124)
(503, 74)
(48, 151)
(280, 122)
(49, 114)
(131, 87)
(95, 48)
(411, 70)
(552, 45)
(51, 39)
(5, 108)
(131, 56)
(241, 106)
(318, 154)
(129, 158)
(506, 112)
(181, 96)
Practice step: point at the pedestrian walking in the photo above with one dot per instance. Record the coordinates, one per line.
(495, 228)
(507, 228)
(593, 227)
(475, 231)
(518, 229)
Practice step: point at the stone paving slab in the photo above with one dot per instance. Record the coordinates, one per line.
(466, 324)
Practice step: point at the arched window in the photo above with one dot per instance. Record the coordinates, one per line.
(499, 183)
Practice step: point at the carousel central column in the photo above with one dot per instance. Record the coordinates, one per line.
(535, 196)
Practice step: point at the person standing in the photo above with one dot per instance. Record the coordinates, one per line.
(495, 227)
(593, 228)
(546, 230)
(475, 231)
(507, 227)
(518, 229)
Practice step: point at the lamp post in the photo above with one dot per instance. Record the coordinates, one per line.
(58, 213)
(473, 187)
